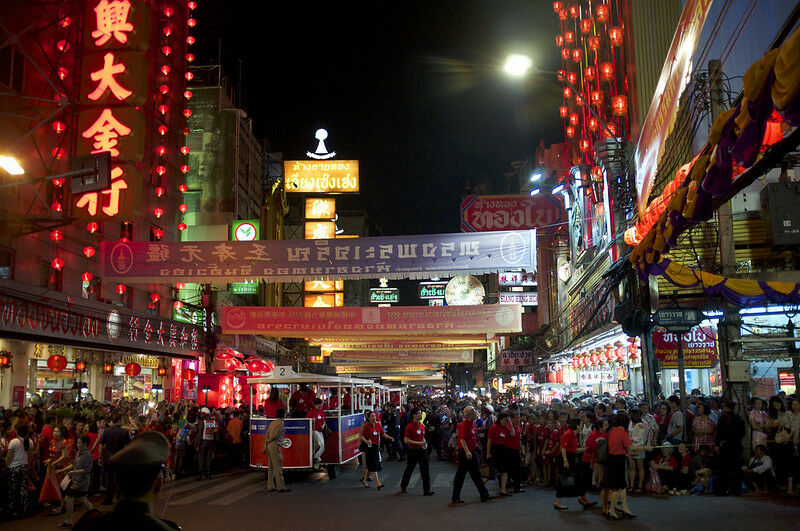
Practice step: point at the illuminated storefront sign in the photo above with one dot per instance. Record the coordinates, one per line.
(320, 230)
(530, 298)
(324, 300)
(320, 208)
(246, 230)
(244, 288)
(432, 290)
(384, 295)
(323, 285)
(321, 177)
(516, 278)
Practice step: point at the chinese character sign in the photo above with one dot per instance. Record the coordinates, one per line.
(511, 359)
(392, 257)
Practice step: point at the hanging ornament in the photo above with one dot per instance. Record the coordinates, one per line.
(593, 42)
(559, 41)
(574, 119)
(590, 73)
(563, 111)
(162, 371)
(570, 131)
(557, 6)
(133, 369)
(586, 25)
(562, 14)
(177, 305)
(80, 366)
(57, 362)
(619, 105)
(594, 124)
(577, 55)
(606, 71)
(615, 36)
(565, 53)
(121, 288)
(574, 11)
(86, 276)
(596, 97)
(88, 251)
(572, 77)
(583, 145)
(569, 37)
(57, 263)
(602, 12)
(107, 368)
(56, 235)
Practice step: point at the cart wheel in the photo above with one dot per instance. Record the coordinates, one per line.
(333, 471)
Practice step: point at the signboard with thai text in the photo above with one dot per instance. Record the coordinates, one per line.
(397, 321)
(343, 357)
(385, 369)
(298, 260)
(432, 290)
(323, 300)
(384, 295)
(660, 119)
(481, 213)
(510, 359)
(416, 345)
(321, 176)
(699, 348)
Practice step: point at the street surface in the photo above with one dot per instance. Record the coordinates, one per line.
(238, 500)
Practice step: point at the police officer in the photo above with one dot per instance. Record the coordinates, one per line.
(138, 476)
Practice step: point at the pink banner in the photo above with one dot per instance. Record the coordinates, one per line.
(439, 343)
(485, 213)
(385, 369)
(699, 348)
(343, 357)
(345, 322)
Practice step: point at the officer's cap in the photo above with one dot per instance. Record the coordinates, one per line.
(148, 449)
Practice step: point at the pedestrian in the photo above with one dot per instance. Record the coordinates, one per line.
(619, 444)
(414, 439)
(301, 401)
(79, 472)
(206, 443)
(17, 498)
(496, 450)
(371, 434)
(113, 440)
(433, 432)
(513, 457)
(273, 442)
(730, 432)
(138, 475)
(234, 431)
(467, 461)
(317, 414)
(273, 403)
(569, 477)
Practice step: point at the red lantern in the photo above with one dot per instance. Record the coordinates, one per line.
(184, 168)
(163, 89)
(162, 371)
(188, 374)
(586, 25)
(583, 145)
(572, 77)
(224, 354)
(155, 297)
(162, 130)
(182, 226)
(559, 41)
(569, 37)
(57, 362)
(161, 170)
(189, 57)
(579, 99)
(86, 276)
(177, 305)
(121, 288)
(574, 363)
(188, 94)
(56, 235)
(562, 14)
(158, 233)
(574, 119)
(187, 112)
(184, 150)
(191, 22)
(58, 154)
(596, 97)
(166, 50)
(612, 129)
(563, 111)
(565, 53)
(570, 131)
(590, 73)
(182, 188)
(80, 366)
(615, 36)
(619, 105)
(574, 11)
(557, 6)
(606, 71)
(567, 92)
(179, 285)
(595, 358)
(602, 12)
(577, 55)
(601, 358)
(5, 359)
(593, 42)
(107, 368)
(59, 127)
(594, 124)
(190, 40)
(57, 263)
(183, 207)
(158, 212)
(192, 5)
(92, 227)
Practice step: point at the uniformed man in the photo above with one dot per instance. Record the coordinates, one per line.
(414, 438)
(272, 446)
(138, 477)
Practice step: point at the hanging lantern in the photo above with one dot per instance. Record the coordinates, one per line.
(162, 130)
(557, 6)
(583, 145)
(606, 71)
(121, 288)
(163, 89)
(570, 131)
(59, 127)
(166, 50)
(567, 92)
(183, 207)
(601, 357)
(559, 41)
(192, 5)
(80, 366)
(57, 263)
(92, 227)
(189, 57)
(579, 99)
(569, 37)
(224, 354)
(158, 212)
(56, 206)
(563, 110)
(107, 368)
(613, 130)
(574, 119)
(593, 42)
(155, 297)
(586, 25)
(191, 22)
(160, 191)
(188, 374)
(577, 55)
(184, 150)
(595, 358)
(594, 124)
(187, 94)
(602, 12)
(182, 227)
(56, 235)
(162, 371)
(596, 97)
(590, 73)
(133, 369)
(190, 40)
(565, 53)
(184, 168)
(58, 154)
(562, 14)
(619, 105)
(179, 285)
(167, 31)
(177, 305)
(5, 359)
(57, 362)
(183, 188)
(572, 77)
(86, 276)
(574, 11)
(615, 36)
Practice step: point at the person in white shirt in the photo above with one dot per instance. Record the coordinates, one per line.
(639, 433)
(17, 463)
(759, 472)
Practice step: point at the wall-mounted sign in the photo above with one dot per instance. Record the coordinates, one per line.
(699, 348)
(188, 315)
(597, 376)
(464, 290)
(527, 298)
(432, 289)
(245, 230)
(320, 230)
(323, 285)
(321, 177)
(515, 358)
(481, 213)
(516, 278)
(435, 302)
(244, 288)
(320, 208)
(348, 357)
(324, 300)
(384, 295)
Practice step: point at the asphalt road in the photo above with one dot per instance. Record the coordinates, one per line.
(238, 500)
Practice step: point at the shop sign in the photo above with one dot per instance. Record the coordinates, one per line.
(345, 357)
(245, 230)
(515, 358)
(481, 213)
(323, 285)
(699, 348)
(526, 298)
(384, 295)
(385, 369)
(596, 376)
(321, 177)
(324, 300)
(678, 319)
(99, 326)
(151, 362)
(249, 287)
(188, 315)
(516, 278)
(432, 290)
(320, 208)
(375, 322)
(299, 260)
(435, 302)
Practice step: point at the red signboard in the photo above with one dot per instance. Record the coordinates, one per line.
(486, 213)
(699, 348)
(510, 359)
(348, 322)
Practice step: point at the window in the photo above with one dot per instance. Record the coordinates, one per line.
(12, 68)
(6, 264)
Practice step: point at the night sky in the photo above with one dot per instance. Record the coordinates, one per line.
(413, 90)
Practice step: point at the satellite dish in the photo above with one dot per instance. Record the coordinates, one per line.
(464, 290)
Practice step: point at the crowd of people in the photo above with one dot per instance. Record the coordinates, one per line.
(56, 454)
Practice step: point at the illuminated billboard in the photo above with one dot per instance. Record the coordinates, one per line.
(321, 177)
(323, 285)
(324, 300)
(320, 230)
(320, 208)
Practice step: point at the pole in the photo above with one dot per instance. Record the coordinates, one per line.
(682, 382)
(794, 354)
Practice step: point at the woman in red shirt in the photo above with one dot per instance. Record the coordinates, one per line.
(273, 403)
(619, 444)
(370, 439)
(496, 450)
(569, 483)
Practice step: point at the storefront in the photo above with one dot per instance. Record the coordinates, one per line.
(62, 349)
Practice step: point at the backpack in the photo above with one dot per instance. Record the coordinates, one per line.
(602, 451)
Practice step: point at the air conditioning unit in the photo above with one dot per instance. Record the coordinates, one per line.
(780, 205)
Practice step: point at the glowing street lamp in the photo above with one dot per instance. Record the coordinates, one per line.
(557, 189)
(517, 65)
(10, 165)
(535, 191)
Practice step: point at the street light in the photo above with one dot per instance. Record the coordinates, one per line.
(206, 389)
(10, 165)
(536, 176)
(535, 191)
(557, 189)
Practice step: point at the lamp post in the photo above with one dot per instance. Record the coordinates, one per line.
(206, 389)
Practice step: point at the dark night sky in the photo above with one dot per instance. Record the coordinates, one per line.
(411, 89)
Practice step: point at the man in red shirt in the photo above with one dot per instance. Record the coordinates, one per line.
(302, 400)
(318, 414)
(414, 438)
(513, 451)
(467, 440)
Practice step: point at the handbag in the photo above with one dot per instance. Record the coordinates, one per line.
(65, 483)
(326, 431)
(50, 493)
(653, 483)
(782, 436)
